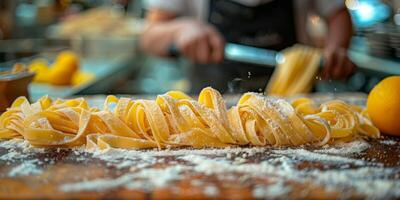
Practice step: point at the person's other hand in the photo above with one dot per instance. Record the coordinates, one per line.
(199, 42)
(337, 64)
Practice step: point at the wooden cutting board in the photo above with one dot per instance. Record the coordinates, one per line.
(234, 173)
(58, 168)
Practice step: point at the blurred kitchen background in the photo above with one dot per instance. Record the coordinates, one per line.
(104, 35)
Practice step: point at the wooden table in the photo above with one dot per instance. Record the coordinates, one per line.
(234, 173)
(59, 167)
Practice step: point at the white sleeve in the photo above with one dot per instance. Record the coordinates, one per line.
(328, 7)
(175, 6)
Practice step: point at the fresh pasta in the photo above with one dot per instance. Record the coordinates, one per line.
(296, 74)
(176, 120)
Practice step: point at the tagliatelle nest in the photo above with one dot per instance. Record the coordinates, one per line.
(176, 120)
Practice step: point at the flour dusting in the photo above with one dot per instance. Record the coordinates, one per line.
(150, 169)
(352, 147)
(388, 142)
(25, 169)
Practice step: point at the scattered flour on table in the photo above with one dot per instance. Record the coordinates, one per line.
(126, 158)
(211, 190)
(155, 178)
(271, 191)
(15, 143)
(281, 164)
(388, 142)
(120, 153)
(19, 151)
(373, 182)
(352, 147)
(20, 144)
(367, 179)
(25, 169)
(12, 155)
(303, 154)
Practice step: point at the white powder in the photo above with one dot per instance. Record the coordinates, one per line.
(271, 191)
(15, 143)
(353, 147)
(229, 155)
(374, 182)
(25, 169)
(369, 181)
(20, 150)
(21, 144)
(146, 179)
(303, 154)
(388, 142)
(116, 155)
(270, 168)
(97, 184)
(211, 190)
(218, 166)
(131, 164)
(281, 165)
(13, 155)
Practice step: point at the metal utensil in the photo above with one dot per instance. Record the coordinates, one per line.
(246, 54)
(253, 55)
(243, 53)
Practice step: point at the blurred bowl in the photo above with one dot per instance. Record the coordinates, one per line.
(13, 86)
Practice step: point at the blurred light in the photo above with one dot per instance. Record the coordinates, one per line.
(280, 58)
(396, 19)
(367, 12)
(316, 26)
(26, 13)
(315, 19)
(352, 4)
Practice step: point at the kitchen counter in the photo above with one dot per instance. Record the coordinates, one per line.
(359, 55)
(107, 72)
(362, 168)
(235, 173)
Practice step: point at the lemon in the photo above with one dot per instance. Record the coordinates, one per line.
(64, 68)
(81, 77)
(383, 105)
(41, 69)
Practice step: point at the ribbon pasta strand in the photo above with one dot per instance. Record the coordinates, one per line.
(176, 120)
(296, 73)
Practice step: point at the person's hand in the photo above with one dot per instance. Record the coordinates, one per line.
(199, 42)
(337, 64)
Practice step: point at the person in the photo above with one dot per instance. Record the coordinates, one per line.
(200, 28)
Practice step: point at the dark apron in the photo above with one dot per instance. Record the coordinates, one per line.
(270, 25)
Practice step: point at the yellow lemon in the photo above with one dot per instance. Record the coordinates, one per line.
(67, 59)
(383, 105)
(41, 69)
(64, 67)
(81, 78)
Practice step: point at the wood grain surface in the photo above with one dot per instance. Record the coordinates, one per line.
(63, 166)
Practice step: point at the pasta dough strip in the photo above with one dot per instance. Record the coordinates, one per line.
(296, 74)
(176, 120)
